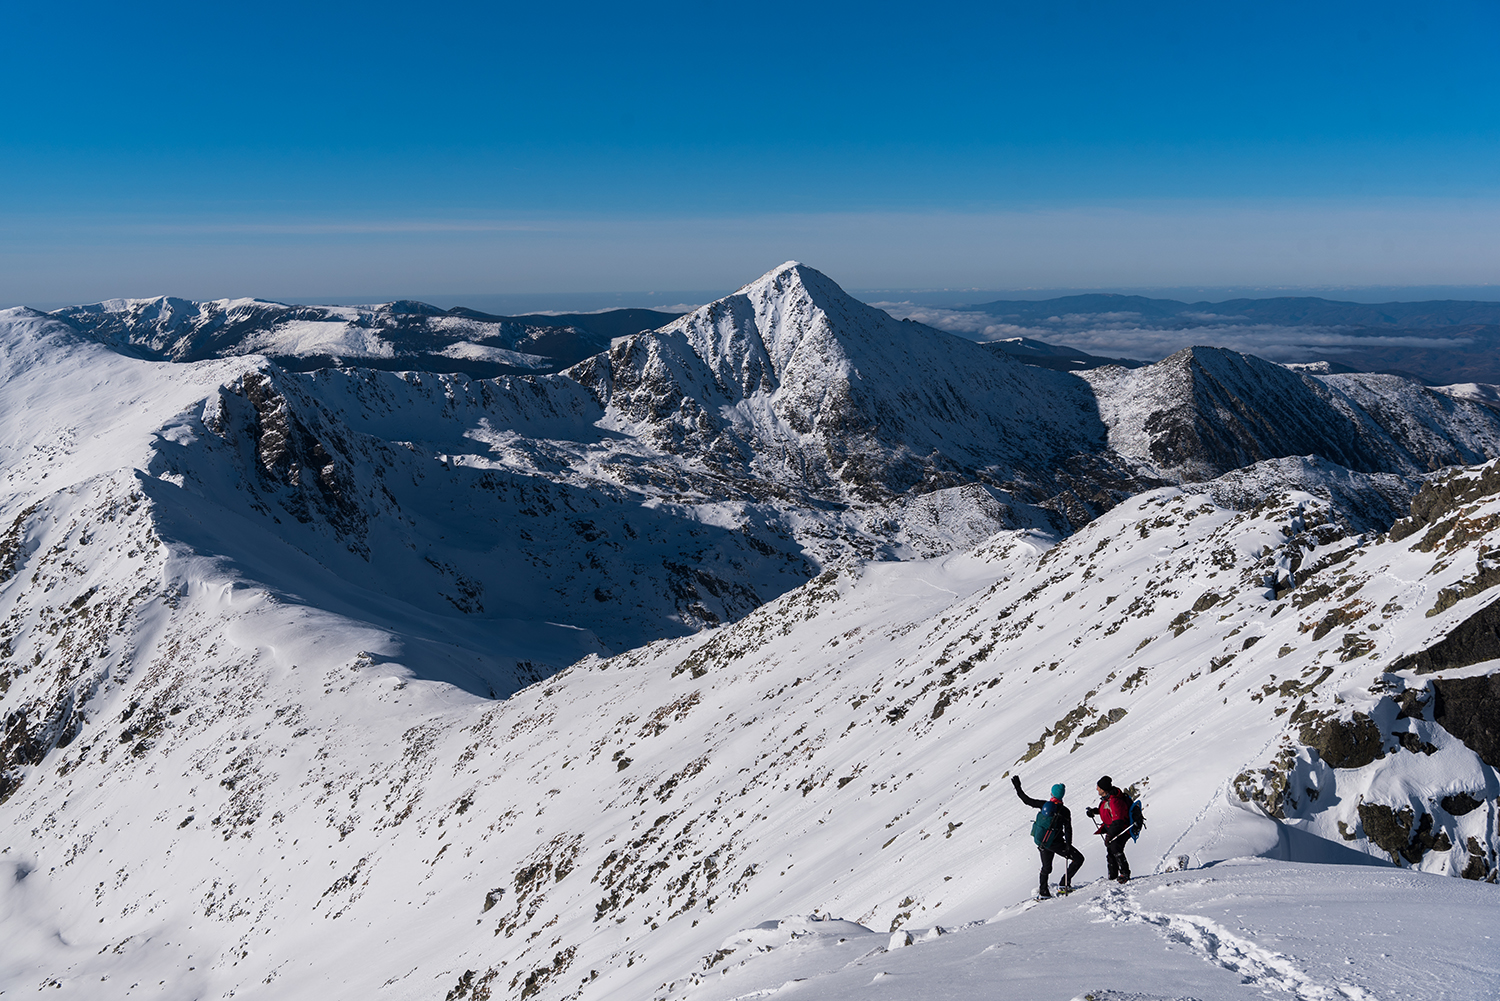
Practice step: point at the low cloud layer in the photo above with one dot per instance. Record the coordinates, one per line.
(1124, 335)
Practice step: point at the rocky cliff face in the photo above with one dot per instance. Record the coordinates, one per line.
(1204, 411)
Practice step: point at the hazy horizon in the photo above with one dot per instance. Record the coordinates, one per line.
(519, 303)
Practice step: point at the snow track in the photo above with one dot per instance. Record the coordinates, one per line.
(1260, 967)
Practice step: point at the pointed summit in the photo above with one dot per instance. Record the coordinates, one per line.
(792, 321)
(791, 379)
(775, 273)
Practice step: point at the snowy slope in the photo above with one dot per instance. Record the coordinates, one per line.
(473, 504)
(1478, 392)
(1435, 428)
(251, 619)
(794, 382)
(1289, 931)
(279, 795)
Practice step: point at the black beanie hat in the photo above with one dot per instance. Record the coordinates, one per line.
(1106, 784)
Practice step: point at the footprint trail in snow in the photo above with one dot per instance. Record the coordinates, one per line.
(1258, 966)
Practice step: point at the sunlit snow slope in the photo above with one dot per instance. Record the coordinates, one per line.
(273, 793)
(251, 621)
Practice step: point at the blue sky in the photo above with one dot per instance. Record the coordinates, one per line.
(375, 149)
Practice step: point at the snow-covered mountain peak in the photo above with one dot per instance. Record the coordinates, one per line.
(792, 316)
(402, 335)
(792, 380)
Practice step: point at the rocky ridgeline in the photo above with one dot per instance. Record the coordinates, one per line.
(397, 335)
(1204, 412)
(1455, 519)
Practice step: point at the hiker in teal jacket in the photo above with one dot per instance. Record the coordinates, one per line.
(1056, 839)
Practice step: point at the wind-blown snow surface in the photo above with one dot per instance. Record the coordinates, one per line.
(248, 618)
(269, 801)
(1315, 932)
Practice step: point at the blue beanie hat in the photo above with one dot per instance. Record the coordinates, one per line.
(1058, 790)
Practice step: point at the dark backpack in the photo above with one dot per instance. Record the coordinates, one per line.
(1137, 820)
(1043, 829)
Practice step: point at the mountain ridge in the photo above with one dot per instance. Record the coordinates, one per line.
(848, 399)
(398, 335)
(1212, 410)
(254, 621)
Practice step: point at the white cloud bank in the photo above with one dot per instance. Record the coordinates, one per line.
(1122, 335)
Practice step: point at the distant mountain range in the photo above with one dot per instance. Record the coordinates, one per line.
(394, 336)
(1439, 342)
(1280, 310)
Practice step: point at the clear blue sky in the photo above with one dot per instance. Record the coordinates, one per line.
(290, 150)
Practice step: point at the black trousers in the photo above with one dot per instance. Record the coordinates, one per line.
(1075, 862)
(1114, 857)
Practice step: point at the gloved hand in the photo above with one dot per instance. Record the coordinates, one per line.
(1092, 811)
(1015, 780)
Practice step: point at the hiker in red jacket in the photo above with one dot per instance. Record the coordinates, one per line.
(1054, 837)
(1113, 813)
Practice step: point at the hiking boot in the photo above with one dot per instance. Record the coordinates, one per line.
(1123, 879)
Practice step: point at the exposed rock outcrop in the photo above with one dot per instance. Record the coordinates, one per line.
(1469, 708)
(1205, 411)
(1473, 641)
(1344, 743)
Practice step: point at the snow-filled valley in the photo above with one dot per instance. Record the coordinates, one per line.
(700, 670)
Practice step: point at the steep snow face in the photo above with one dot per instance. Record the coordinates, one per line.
(258, 795)
(792, 380)
(495, 502)
(1205, 411)
(415, 334)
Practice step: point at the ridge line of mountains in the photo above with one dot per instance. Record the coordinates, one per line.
(551, 684)
(1279, 310)
(1439, 342)
(745, 446)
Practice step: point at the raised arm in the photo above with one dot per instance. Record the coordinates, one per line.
(1015, 780)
